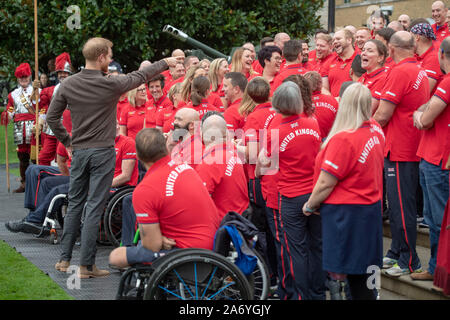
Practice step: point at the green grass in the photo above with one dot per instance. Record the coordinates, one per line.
(11, 149)
(11, 146)
(22, 280)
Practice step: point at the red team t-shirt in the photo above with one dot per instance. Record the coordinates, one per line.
(429, 61)
(202, 108)
(133, 118)
(223, 174)
(174, 196)
(355, 158)
(338, 73)
(232, 116)
(257, 121)
(153, 108)
(431, 147)
(288, 70)
(125, 150)
(269, 182)
(407, 87)
(296, 161)
(325, 111)
(374, 81)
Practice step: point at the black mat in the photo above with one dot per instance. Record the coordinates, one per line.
(44, 255)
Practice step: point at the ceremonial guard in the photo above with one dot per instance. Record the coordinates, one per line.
(21, 111)
(63, 69)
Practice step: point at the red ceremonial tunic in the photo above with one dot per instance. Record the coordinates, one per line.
(125, 150)
(62, 152)
(325, 111)
(406, 87)
(431, 147)
(297, 146)
(355, 158)
(223, 174)
(174, 196)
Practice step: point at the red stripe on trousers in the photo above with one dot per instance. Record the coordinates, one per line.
(403, 217)
(287, 246)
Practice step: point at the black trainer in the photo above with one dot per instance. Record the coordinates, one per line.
(23, 226)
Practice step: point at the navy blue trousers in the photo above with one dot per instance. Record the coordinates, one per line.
(402, 179)
(303, 244)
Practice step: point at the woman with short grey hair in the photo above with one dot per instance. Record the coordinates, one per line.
(294, 144)
(288, 100)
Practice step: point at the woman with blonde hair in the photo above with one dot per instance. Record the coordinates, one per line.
(242, 62)
(164, 120)
(348, 186)
(216, 72)
(132, 117)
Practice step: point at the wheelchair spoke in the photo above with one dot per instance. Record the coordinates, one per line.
(171, 292)
(184, 284)
(195, 276)
(215, 294)
(209, 282)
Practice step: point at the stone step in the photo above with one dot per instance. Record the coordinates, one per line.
(405, 286)
(423, 235)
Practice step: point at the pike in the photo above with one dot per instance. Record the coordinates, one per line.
(8, 183)
(36, 72)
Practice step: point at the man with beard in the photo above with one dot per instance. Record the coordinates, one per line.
(293, 52)
(340, 66)
(92, 99)
(186, 126)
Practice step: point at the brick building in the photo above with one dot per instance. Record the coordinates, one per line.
(357, 12)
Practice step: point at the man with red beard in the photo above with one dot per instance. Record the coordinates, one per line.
(340, 66)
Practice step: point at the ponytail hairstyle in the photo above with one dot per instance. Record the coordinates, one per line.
(199, 89)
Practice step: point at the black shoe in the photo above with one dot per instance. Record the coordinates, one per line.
(23, 226)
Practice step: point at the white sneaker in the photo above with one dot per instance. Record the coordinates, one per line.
(396, 271)
(388, 262)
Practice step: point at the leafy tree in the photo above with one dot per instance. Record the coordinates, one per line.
(135, 27)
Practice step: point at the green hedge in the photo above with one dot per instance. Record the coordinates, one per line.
(135, 27)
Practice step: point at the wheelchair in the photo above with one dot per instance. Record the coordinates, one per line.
(109, 228)
(197, 274)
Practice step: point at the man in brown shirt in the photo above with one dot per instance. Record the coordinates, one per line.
(91, 97)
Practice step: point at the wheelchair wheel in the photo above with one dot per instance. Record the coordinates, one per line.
(196, 274)
(133, 283)
(112, 218)
(260, 279)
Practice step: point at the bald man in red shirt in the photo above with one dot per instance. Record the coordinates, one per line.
(173, 207)
(221, 169)
(406, 89)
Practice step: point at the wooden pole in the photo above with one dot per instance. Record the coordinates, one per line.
(36, 72)
(8, 183)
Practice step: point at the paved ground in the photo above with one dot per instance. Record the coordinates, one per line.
(44, 255)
